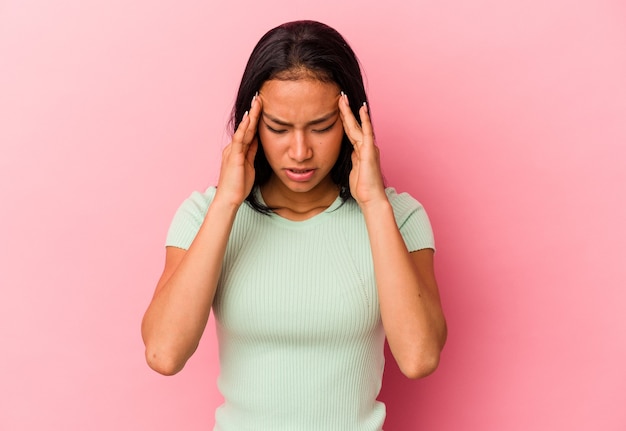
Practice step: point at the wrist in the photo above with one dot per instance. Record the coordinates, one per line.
(376, 207)
(223, 204)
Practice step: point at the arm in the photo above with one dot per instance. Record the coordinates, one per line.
(409, 300)
(408, 295)
(177, 315)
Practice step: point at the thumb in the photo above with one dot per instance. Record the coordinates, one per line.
(252, 150)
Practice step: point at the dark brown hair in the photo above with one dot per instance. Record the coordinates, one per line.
(286, 52)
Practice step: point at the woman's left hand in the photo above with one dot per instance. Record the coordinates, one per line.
(366, 180)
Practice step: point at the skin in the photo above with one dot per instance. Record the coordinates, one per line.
(301, 129)
(301, 123)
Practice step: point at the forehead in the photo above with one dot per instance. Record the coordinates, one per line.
(299, 99)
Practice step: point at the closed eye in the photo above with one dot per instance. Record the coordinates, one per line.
(277, 131)
(326, 129)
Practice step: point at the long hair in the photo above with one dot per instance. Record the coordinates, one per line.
(284, 53)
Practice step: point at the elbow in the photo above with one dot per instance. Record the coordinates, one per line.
(163, 364)
(420, 367)
(164, 357)
(421, 359)
(424, 359)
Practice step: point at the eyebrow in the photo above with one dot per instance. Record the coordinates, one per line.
(310, 123)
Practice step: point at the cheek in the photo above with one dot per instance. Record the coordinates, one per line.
(263, 135)
(268, 141)
(332, 143)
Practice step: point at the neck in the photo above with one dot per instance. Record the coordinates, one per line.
(298, 205)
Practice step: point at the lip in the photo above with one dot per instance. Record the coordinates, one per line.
(299, 175)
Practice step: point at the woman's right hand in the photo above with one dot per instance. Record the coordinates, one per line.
(237, 170)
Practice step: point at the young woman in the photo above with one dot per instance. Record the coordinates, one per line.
(306, 259)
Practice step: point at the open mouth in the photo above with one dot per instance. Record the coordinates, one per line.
(299, 174)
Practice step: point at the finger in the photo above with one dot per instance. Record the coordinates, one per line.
(350, 124)
(355, 160)
(246, 130)
(366, 123)
(252, 148)
(237, 140)
(254, 114)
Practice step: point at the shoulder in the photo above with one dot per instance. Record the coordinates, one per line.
(411, 219)
(189, 217)
(404, 205)
(399, 198)
(199, 201)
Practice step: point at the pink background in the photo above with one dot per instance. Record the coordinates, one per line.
(507, 120)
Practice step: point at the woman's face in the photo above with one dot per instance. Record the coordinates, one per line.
(301, 133)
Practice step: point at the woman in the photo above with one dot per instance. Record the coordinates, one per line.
(306, 259)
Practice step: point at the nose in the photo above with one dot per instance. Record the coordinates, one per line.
(299, 148)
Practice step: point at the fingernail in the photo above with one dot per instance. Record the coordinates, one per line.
(245, 114)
